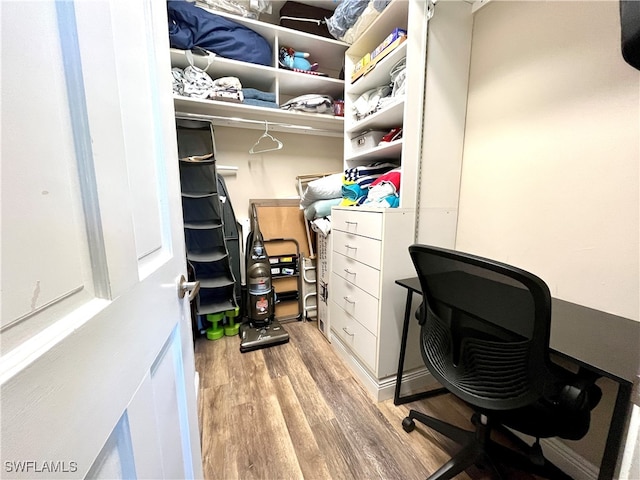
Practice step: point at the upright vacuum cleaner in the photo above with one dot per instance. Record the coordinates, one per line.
(261, 329)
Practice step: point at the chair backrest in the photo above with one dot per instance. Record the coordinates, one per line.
(485, 327)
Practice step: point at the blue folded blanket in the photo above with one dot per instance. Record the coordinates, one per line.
(259, 95)
(260, 103)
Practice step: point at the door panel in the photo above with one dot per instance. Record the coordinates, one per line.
(169, 407)
(115, 460)
(140, 140)
(41, 199)
(98, 372)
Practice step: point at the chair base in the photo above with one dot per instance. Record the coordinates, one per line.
(479, 449)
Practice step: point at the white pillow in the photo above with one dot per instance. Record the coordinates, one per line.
(323, 188)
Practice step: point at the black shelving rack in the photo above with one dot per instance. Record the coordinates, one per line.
(204, 230)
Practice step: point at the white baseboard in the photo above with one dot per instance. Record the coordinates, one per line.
(567, 460)
(384, 388)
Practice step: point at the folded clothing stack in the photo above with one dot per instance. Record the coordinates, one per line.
(364, 175)
(383, 192)
(375, 185)
(195, 82)
(258, 98)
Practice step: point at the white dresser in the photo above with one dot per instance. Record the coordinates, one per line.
(369, 253)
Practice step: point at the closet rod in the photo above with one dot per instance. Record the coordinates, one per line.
(287, 126)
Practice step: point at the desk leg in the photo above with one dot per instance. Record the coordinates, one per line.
(397, 399)
(616, 429)
(403, 348)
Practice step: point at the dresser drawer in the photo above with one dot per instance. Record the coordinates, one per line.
(356, 302)
(363, 249)
(355, 336)
(363, 276)
(368, 224)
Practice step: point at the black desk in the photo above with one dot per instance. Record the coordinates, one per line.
(590, 348)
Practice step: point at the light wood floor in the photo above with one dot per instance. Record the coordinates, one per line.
(295, 411)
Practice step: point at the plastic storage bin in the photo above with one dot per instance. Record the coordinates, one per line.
(368, 139)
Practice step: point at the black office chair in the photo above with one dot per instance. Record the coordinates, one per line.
(485, 338)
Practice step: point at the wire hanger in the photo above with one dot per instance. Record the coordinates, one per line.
(266, 148)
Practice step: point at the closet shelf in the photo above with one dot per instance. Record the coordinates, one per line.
(207, 307)
(395, 16)
(212, 255)
(216, 282)
(196, 195)
(289, 83)
(204, 225)
(327, 52)
(279, 120)
(379, 75)
(390, 116)
(391, 150)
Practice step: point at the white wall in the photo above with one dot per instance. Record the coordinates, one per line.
(550, 174)
(552, 150)
(272, 174)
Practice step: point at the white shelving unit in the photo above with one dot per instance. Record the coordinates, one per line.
(285, 84)
(412, 16)
(370, 245)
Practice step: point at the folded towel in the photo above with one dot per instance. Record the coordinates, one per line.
(388, 201)
(366, 181)
(347, 182)
(345, 202)
(376, 169)
(380, 191)
(353, 192)
(392, 176)
(259, 95)
(260, 103)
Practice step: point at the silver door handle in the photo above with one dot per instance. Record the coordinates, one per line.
(191, 288)
(347, 299)
(347, 331)
(349, 272)
(347, 246)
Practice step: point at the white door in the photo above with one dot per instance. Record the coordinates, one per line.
(96, 367)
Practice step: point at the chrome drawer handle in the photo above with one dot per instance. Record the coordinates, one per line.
(349, 272)
(347, 331)
(347, 299)
(351, 222)
(349, 247)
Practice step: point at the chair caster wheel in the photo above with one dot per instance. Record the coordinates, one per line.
(475, 419)
(408, 424)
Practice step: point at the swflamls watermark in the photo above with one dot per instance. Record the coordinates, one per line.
(40, 466)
